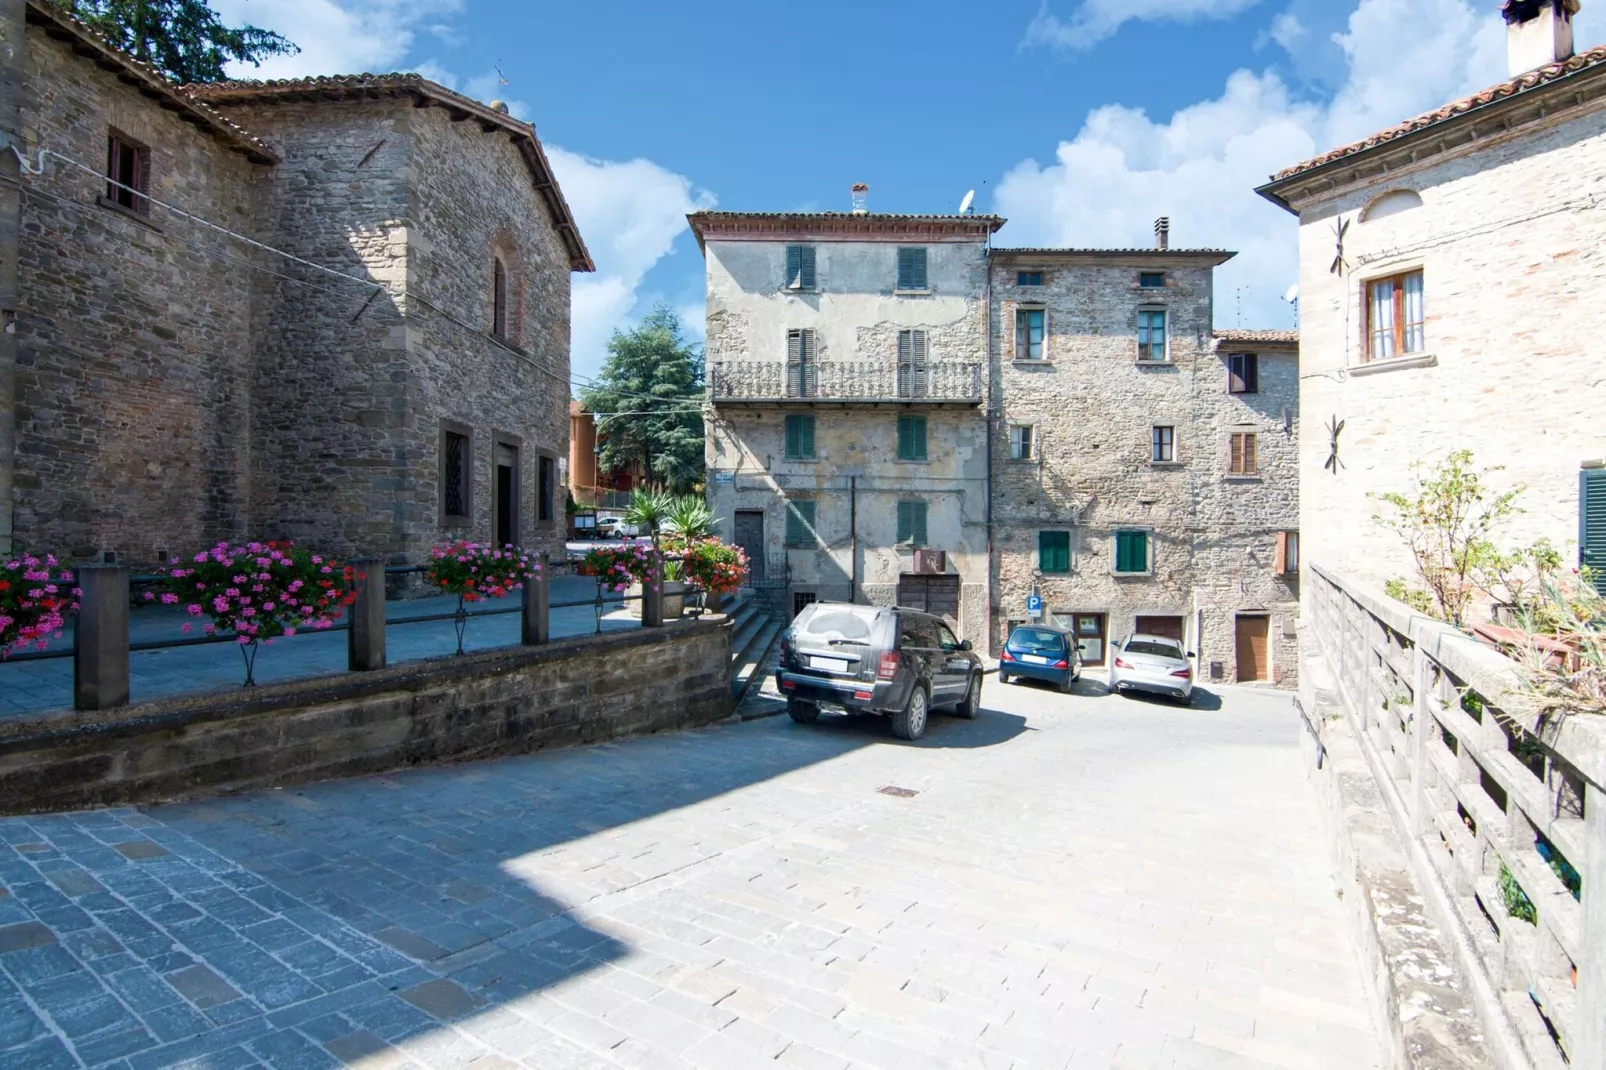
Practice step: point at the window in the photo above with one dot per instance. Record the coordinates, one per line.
(1028, 278)
(1054, 551)
(1243, 461)
(912, 269)
(498, 298)
(1029, 324)
(800, 267)
(128, 173)
(547, 475)
(911, 438)
(800, 523)
(945, 639)
(1286, 558)
(1131, 551)
(1164, 445)
(456, 478)
(802, 364)
(912, 352)
(912, 523)
(1151, 334)
(1395, 316)
(1020, 442)
(1151, 280)
(1243, 373)
(1592, 523)
(799, 438)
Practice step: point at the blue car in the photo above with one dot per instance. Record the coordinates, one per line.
(1041, 652)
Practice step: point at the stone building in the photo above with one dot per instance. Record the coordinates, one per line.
(1144, 467)
(334, 310)
(846, 429)
(1450, 298)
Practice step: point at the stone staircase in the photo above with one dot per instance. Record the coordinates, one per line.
(755, 630)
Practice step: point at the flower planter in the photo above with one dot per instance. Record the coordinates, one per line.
(674, 599)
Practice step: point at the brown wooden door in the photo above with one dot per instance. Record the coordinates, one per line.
(750, 537)
(1165, 627)
(1252, 649)
(1090, 637)
(937, 595)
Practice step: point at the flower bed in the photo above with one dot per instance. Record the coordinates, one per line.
(35, 595)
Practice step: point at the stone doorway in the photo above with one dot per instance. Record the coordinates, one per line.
(1253, 648)
(506, 497)
(750, 537)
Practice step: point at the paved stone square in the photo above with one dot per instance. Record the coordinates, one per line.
(1079, 881)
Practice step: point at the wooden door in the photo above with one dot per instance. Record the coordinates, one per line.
(1165, 627)
(1089, 628)
(1253, 663)
(750, 537)
(937, 595)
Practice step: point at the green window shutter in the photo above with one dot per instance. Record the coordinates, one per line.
(911, 269)
(905, 524)
(799, 437)
(920, 521)
(800, 523)
(1592, 523)
(794, 265)
(1054, 551)
(808, 436)
(912, 523)
(806, 266)
(1132, 551)
(911, 438)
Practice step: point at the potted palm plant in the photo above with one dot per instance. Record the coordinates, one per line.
(649, 511)
(687, 521)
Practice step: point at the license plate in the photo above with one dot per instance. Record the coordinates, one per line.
(1035, 659)
(828, 664)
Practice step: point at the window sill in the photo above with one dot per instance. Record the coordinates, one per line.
(1167, 363)
(801, 460)
(128, 213)
(1166, 464)
(911, 293)
(1243, 477)
(1243, 393)
(456, 522)
(1133, 575)
(1021, 460)
(800, 289)
(913, 460)
(1392, 364)
(1031, 362)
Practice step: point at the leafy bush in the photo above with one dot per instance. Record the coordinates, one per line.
(35, 595)
(1518, 905)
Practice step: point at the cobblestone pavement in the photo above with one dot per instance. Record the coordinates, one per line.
(1081, 881)
(31, 686)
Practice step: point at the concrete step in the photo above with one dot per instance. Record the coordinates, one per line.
(744, 629)
(756, 658)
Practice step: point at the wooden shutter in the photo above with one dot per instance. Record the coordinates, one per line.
(906, 350)
(794, 363)
(912, 523)
(1236, 464)
(1280, 554)
(811, 365)
(1592, 523)
(911, 438)
(806, 266)
(1054, 551)
(911, 269)
(794, 266)
(919, 511)
(1251, 373)
(800, 523)
(919, 360)
(905, 522)
(1251, 464)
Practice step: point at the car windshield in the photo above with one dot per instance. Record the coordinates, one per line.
(844, 625)
(1037, 639)
(1159, 650)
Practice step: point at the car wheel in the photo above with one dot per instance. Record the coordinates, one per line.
(972, 704)
(1003, 677)
(802, 712)
(910, 722)
(1067, 683)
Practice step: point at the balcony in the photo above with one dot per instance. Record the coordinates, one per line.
(955, 384)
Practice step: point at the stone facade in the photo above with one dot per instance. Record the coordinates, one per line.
(1092, 408)
(854, 478)
(294, 379)
(1498, 208)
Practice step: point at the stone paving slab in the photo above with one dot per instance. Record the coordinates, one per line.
(1077, 881)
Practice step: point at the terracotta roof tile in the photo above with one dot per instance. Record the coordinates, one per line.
(1512, 87)
(1241, 337)
(1145, 251)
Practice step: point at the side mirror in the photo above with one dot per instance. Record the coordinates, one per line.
(965, 645)
(1191, 654)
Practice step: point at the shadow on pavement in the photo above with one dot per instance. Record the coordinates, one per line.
(1201, 700)
(990, 728)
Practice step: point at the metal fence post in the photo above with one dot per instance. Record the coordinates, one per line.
(1589, 1019)
(652, 594)
(365, 642)
(100, 638)
(537, 628)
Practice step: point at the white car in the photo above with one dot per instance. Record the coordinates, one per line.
(1153, 664)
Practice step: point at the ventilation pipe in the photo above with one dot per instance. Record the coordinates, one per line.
(1162, 232)
(1538, 33)
(861, 199)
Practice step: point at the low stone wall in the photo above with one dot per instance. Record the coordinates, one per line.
(508, 701)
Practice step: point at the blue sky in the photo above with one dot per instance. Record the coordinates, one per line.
(1080, 120)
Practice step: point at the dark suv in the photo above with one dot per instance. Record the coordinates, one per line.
(896, 662)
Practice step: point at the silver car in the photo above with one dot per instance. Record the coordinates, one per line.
(1153, 664)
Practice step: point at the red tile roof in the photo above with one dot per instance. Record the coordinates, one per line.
(1512, 87)
(1267, 338)
(87, 42)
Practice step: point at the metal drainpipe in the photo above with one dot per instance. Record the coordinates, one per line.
(987, 386)
(853, 538)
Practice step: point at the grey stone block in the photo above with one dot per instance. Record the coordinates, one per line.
(440, 999)
(141, 850)
(202, 987)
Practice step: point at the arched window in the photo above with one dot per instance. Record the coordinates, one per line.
(499, 307)
(1391, 203)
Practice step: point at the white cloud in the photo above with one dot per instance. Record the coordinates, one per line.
(628, 212)
(335, 36)
(1200, 165)
(1095, 20)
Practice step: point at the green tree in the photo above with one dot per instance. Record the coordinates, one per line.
(648, 396)
(183, 39)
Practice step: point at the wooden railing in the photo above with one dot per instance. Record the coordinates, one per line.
(1506, 810)
(770, 380)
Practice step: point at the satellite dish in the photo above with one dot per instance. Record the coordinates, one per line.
(1292, 295)
(964, 205)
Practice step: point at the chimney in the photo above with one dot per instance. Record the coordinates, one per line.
(861, 199)
(1538, 33)
(1162, 232)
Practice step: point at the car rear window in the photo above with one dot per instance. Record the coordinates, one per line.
(1159, 650)
(1037, 639)
(848, 625)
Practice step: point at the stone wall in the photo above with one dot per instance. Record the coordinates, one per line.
(1092, 408)
(134, 331)
(510, 701)
(1511, 241)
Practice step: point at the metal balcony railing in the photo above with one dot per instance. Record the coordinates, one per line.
(858, 380)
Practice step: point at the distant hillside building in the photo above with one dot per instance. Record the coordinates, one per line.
(332, 309)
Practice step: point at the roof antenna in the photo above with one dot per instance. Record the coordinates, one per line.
(501, 79)
(964, 205)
